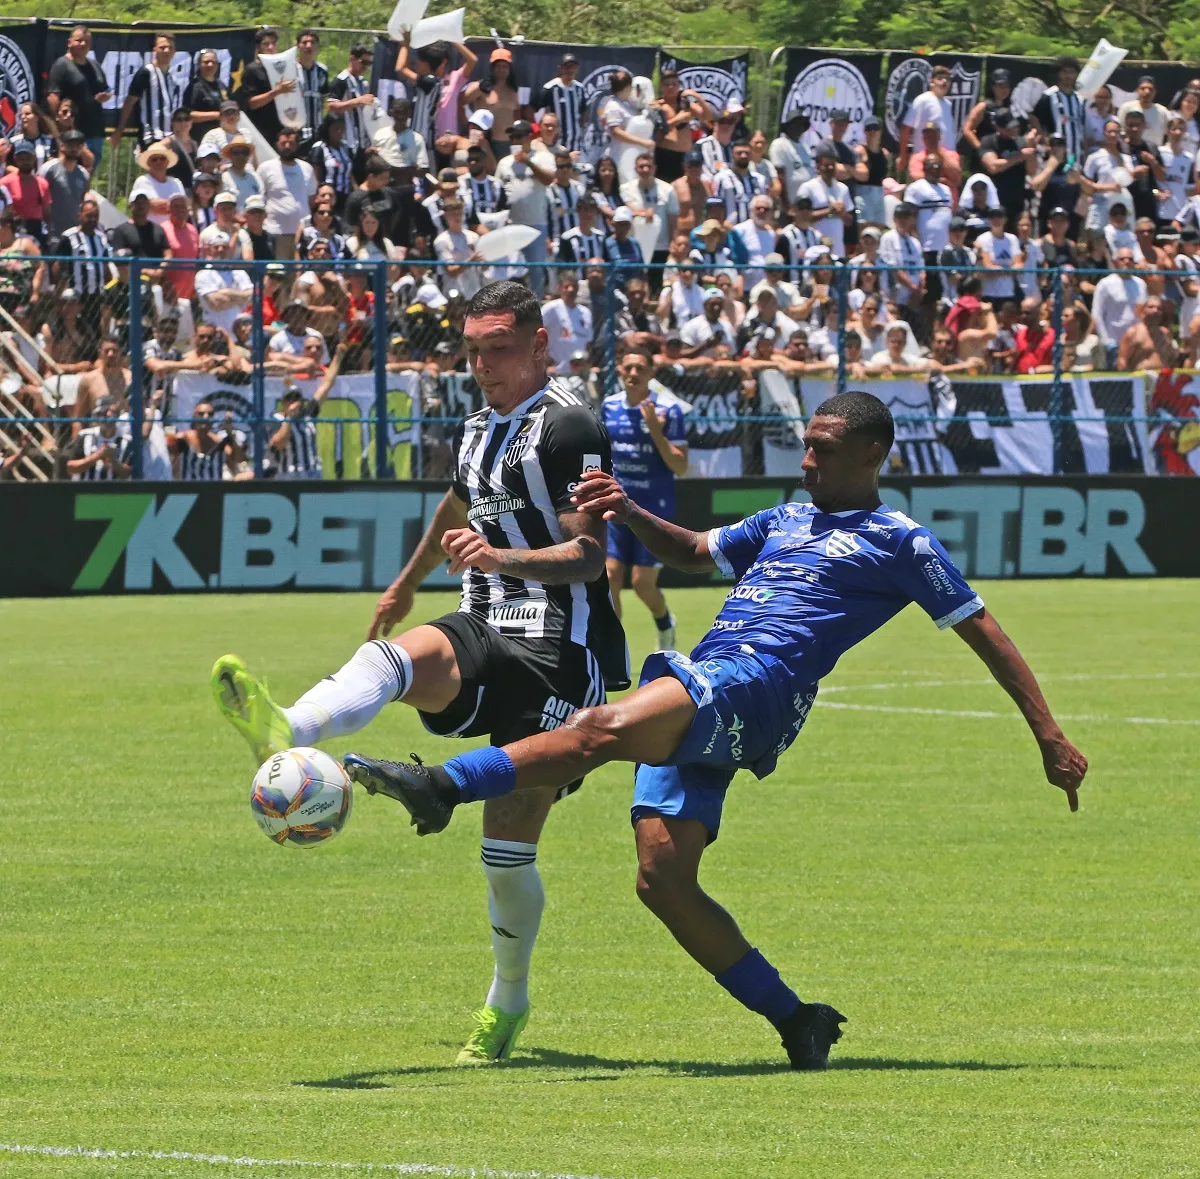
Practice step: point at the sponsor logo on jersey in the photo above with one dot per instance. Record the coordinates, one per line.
(591, 462)
(492, 507)
(718, 729)
(841, 544)
(750, 593)
(16, 84)
(922, 546)
(516, 613)
(936, 575)
(827, 85)
(555, 712)
(735, 737)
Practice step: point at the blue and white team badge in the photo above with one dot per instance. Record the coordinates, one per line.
(841, 544)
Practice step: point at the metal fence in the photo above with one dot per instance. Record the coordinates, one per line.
(356, 369)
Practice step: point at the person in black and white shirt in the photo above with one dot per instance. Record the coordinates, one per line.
(564, 196)
(793, 240)
(717, 146)
(586, 240)
(293, 444)
(1179, 166)
(564, 97)
(738, 184)
(313, 82)
(1061, 110)
(156, 93)
(350, 95)
(534, 639)
(199, 453)
(89, 249)
(100, 451)
(479, 190)
(332, 159)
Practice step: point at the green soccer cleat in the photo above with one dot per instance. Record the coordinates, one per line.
(247, 705)
(494, 1037)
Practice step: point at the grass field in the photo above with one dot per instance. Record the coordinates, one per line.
(1021, 983)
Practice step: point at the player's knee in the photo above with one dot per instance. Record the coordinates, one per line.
(597, 727)
(659, 886)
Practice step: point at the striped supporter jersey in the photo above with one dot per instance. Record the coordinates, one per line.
(516, 473)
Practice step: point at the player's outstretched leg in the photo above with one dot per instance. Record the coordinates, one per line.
(669, 852)
(647, 725)
(418, 666)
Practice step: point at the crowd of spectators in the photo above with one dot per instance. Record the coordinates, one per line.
(731, 243)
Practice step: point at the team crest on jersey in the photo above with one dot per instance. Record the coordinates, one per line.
(518, 446)
(841, 544)
(16, 84)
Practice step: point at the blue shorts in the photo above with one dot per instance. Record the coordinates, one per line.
(748, 711)
(623, 546)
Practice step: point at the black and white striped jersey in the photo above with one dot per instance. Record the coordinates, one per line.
(333, 165)
(159, 95)
(89, 270)
(344, 87)
(198, 465)
(790, 243)
(577, 246)
(298, 458)
(480, 194)
(564, 206)
(91, 440)
(568, 103)
(314, 85)
(425, 94)
(516, 472)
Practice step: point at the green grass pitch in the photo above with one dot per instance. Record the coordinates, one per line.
(1021, 983)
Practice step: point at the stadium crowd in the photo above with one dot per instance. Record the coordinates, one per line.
(731, 241)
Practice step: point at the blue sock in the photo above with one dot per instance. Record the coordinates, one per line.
(756, 984)
(482, 773)
(665, 622)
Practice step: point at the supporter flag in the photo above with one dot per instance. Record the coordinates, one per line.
(715, 81)
(122, 50)
(21, 68)
(816, 82)
(908, 76)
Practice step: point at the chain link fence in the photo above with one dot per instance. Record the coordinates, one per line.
(335, 369)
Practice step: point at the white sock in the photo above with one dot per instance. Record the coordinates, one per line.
(351, 698)
(515, 902)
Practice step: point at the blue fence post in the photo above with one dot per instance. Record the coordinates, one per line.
(1057, 401)
(841, 288)
(379, 362)
(610, 333)
(258, 380)
(137, 401)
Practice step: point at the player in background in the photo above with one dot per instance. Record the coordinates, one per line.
(813, 580)
(534, 639)
(649, 449)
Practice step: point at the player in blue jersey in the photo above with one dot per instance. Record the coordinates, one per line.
(812, 581)
(649, 449)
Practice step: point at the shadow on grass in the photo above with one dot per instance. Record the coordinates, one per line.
(547, 1058)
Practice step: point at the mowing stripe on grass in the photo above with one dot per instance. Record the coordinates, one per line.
(988, 715)
(225, 1160)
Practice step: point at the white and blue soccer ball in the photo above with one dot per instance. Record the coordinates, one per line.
(301, 796)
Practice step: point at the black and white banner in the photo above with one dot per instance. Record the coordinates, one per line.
(22, 68)
(122, 50)
(715, 433)
(816, 82)
(908, 76)
(715, 81)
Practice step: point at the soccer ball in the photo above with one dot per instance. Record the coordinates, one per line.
(301, 796)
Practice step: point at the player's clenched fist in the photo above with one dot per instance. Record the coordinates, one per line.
(465, 547)
(600, 493)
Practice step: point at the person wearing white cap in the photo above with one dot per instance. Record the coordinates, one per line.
(223, 292)
(225, 219)
(702, 335)
(621, 247)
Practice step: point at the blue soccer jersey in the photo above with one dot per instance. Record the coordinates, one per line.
(812, 584)
(637, 465)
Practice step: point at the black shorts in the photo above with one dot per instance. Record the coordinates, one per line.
(513, 687)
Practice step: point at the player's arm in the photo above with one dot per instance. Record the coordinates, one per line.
(579, 557)
(600, 496)
(1065, 765)
(397, 600)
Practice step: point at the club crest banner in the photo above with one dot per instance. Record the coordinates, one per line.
(908, 76)
(816, 83)
(21, 70)
(715, 81)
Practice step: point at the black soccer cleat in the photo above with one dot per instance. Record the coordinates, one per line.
(808, 1034)
(428, 793)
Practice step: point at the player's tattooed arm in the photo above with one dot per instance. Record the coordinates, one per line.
(1064, 764)
(580, 557)
(601, 496)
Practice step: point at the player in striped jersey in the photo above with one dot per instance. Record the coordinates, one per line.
(534, 639)
(156, 92)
